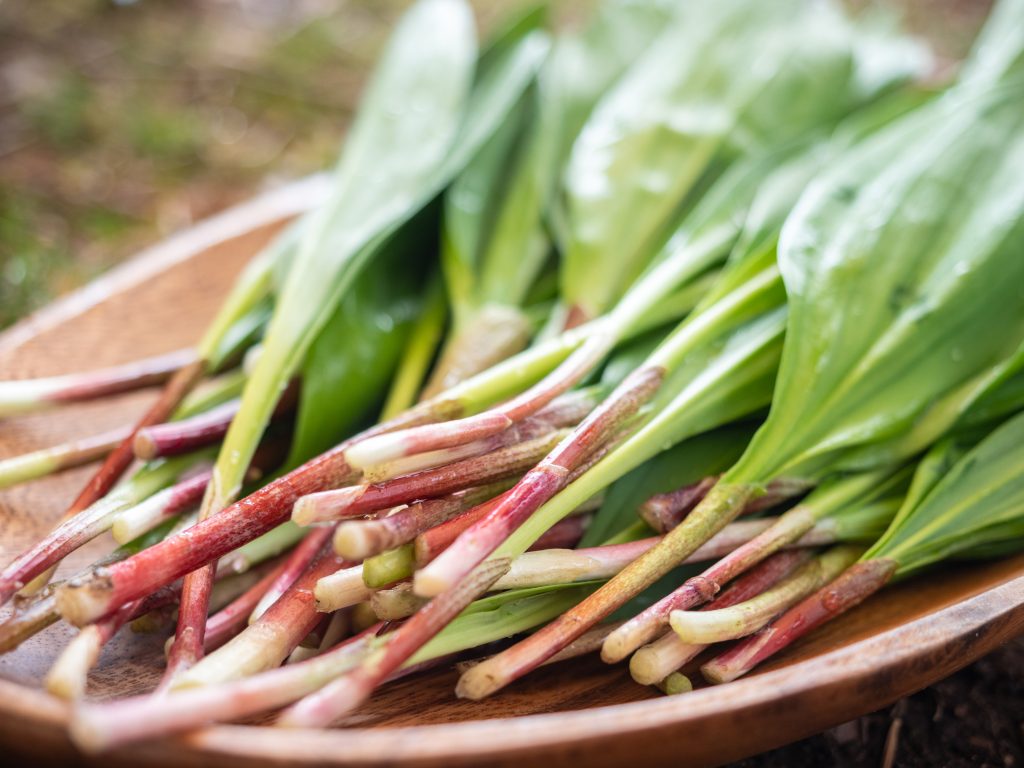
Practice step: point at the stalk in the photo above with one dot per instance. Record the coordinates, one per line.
(100, 726)
(295, 565)
(347, 692)
(362, 499)
(601, 336)
(67, 677)
(714, 626)
(398, 602)
(656, 661)
(360, 539)
(162, 505)
(388, 567)
(493, 333)
(267, 641)
(675, 684)
(271, 544)
(558, 566)
(232, 618)
(551, 475)
(566, 411)
(93, 596)
(798, 525)
(29, 395)
(665, 511)
(47, 461)
(45, 555)
(856, 584)
(176, 437)
(537, 486)
(97, 727)
(723, 502)
(587, 643)
(100, 484)
(419, 352)
(564, 534)
(338, 626)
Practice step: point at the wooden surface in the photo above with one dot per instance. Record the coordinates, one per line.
(901, 641)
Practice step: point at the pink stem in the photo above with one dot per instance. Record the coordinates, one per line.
(366, 538)
(857, 583)
(173, 438)
(431, 483)
(447, 434)
(341, 696)
(27, 568)
(105, 725)
(232, 618)
(124, 378)
(665, 511)
(540, 483)
(296, 564)
(563, 534)
(86, 599)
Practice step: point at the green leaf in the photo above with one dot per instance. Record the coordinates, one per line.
(479, 195)
(346, 373)
(902, 269)
(725, 79)
(977, 503)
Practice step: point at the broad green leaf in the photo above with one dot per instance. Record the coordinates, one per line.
(725, 79)
(393, 161)
(478, 196)
(346, 373)
(975, 504)
(902, 269)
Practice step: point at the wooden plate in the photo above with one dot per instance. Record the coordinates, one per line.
(579, 713)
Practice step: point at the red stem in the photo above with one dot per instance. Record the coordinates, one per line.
(347, 692)
(563, 534)
(432, 483)
(125, 378)
(298, 561)
(109, 473)
(232, 618)
(454, 432)
(436, 540)
(293, 616)
(173, 438)
(375, 536)
(541, 483)
(84, 600)
(665, 511)
(857, 583)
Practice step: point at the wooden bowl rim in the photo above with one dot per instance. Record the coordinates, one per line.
(889, 659)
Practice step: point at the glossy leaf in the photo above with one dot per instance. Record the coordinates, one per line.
(724, 79)
(978, 502)
(902, 269)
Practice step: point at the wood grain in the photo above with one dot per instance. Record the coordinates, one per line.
(903, 640)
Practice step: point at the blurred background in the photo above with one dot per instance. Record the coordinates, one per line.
(121, 122)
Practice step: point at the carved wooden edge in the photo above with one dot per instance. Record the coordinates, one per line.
(277, 204)
(852, 680)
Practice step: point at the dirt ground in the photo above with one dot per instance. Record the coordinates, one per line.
(123, 121)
